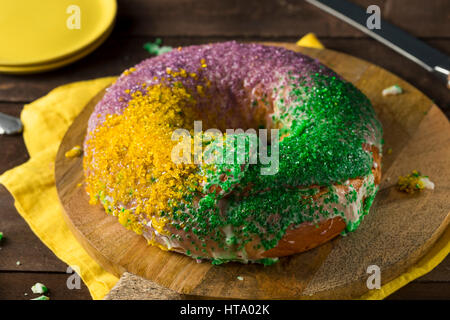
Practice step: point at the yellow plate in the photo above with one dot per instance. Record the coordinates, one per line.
(56, 63)
(40, 32)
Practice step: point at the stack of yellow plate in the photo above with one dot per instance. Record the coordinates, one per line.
(40, 35)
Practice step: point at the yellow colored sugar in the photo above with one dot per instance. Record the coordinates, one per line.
(128, 158)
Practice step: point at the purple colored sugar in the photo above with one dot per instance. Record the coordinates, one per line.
(231, 67)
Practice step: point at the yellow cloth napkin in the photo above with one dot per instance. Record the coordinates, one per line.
(310, 40)
(32, 185)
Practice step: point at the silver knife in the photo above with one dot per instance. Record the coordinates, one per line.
(9, 124)
(427, 57)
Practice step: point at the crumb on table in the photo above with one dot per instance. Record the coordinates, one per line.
(39, 288)
(74, 152)
(392, 90)
(414, 182)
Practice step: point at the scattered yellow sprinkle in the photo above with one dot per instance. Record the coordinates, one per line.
(74, 152)
(129, 71)
(200, 90)
(389, 151)
(414, 182)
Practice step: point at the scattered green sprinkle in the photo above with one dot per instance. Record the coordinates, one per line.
(268, 261)
(155, 47)
(41, 298)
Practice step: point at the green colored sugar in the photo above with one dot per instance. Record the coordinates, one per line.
(327, 120)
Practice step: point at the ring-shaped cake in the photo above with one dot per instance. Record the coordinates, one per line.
(318, 178)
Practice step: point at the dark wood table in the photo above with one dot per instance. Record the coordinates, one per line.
(181, 23)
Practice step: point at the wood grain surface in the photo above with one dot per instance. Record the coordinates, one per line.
(140, 21)
(397, 232)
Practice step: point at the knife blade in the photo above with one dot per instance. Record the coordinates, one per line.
(9, 124)
(412, 48)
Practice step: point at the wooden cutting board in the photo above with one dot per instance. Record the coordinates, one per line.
(398, 231)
